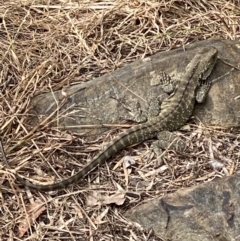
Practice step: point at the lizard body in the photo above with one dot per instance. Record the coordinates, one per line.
(176, 110)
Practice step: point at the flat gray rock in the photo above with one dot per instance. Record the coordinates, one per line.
(207, 212)
(93, 107)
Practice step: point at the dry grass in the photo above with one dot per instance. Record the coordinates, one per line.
(45, 47)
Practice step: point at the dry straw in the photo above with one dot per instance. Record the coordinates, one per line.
(49, 45)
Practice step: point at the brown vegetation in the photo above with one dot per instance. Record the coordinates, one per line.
(48, 45)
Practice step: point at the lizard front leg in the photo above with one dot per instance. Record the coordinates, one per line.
(202, 91)
(160, 83)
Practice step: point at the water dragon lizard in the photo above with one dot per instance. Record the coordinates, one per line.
(175, 112)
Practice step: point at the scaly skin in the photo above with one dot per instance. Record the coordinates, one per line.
(177, 109)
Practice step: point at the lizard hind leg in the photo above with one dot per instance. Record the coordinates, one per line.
(168, 140)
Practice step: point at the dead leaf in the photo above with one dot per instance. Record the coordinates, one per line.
(95, 198)
(216, 164)
(78, 211)
(33, 212)
(117, 198)
(128, 161)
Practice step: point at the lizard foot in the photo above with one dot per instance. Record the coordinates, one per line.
(168, 140)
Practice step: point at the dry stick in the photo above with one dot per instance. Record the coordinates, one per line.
(4, 155)
(34, 129)
(6, 162)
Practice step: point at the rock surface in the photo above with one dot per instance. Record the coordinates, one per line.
(206, 212)
(115, 98)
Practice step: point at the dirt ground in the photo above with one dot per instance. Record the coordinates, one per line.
(49, 45)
